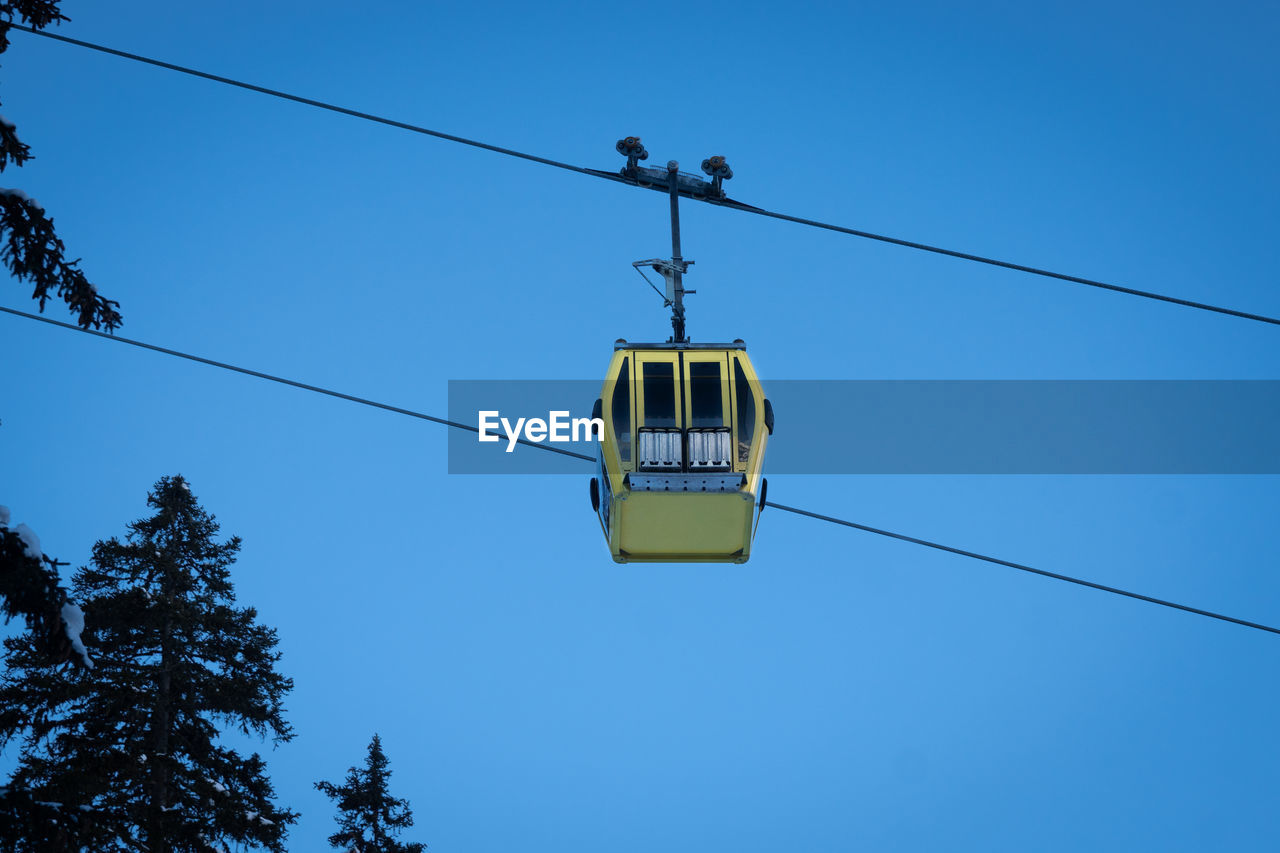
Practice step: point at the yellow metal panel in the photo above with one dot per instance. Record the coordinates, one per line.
(615, 466)
(760, 437)
(682, 527)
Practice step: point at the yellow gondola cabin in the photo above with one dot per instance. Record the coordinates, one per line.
(680, 464)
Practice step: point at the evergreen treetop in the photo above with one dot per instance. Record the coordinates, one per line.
(136, 742)
(369, 818)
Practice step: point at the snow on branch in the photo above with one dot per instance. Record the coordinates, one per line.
(73, 624)
(30, 590)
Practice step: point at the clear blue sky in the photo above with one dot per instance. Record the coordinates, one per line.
(837, 692)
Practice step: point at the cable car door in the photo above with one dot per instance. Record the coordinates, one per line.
(708, 418)
(659, 422)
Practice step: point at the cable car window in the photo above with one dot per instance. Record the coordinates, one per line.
(606, 497)
(746, 403)
(659, 394)
(622, 411)
(705, 397)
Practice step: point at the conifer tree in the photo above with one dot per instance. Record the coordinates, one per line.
(135, 743)
(369, 818)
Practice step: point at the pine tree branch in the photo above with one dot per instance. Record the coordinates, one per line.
(12, 149)
(35, 13)
(32, 252)
(31, 249)
(30, 590)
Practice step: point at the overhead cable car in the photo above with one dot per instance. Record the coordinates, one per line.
(680, 468)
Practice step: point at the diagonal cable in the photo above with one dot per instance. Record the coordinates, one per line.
(819, 517)
(291, 382)
(311, 102)
(1022, 568)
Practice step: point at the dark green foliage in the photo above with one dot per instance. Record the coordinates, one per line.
(368, 816)
(27, 823)
(34, 13)
(11, 147)
(134, 743)
(30, 589)
(34, 253)
(28, 244)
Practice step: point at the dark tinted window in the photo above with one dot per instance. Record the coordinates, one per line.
(705, 395)
(621, 411)
(746, 403)
(659, 394)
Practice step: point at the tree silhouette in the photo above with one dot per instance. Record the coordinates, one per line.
(368, 816)
(135, 744)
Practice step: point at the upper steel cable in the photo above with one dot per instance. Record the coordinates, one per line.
(276, 93)
(724, 202)
(456, 425)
